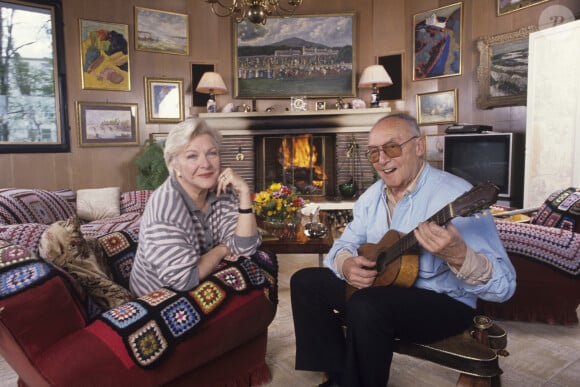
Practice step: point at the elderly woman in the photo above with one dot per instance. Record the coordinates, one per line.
(197, 217)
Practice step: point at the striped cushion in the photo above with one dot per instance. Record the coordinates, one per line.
(134, 201)
(33, 206)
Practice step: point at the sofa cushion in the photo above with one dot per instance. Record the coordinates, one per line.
(134, 201)
(26, 235)
(98, 203)
(556, 247)
(33, 206)
(561, 209)
(96, 228)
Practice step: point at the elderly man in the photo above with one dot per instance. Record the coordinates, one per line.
(459, 262)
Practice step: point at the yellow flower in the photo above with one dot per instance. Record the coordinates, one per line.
(277, 201)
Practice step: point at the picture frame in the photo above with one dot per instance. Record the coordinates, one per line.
(164, 100)
(434, 147)
(438, 107)
(197, 71)
(105, 62)
(437, 35)
(107, 124)
(394, 64)
(39, 122)
(502, 71)
(158, 137)
(161, 31)
(508, 6)
(330, 39)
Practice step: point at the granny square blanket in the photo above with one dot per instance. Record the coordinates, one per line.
(555, 247)
(151, 325)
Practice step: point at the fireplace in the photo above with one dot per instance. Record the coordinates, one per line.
(331, 132)
(306, 162)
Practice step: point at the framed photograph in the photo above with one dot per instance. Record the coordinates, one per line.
(164, 100)
(394, 64)
(439, 107)
(161, 31)
(158, 138)
(503, 69)
(509, 6)
(197, 71)
(310, 55)
(33, 104)
(104, 55)
(438, 39)
(107, 124)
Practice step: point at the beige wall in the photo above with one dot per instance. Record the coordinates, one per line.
(384, 27)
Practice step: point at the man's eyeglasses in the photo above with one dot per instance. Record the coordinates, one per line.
(391, 149)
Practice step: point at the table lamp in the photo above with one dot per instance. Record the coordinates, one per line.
(373, 77)
(211, 83)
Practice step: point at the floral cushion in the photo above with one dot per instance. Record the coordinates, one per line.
(34, 206)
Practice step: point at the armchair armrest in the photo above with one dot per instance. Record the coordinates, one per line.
(38, 307)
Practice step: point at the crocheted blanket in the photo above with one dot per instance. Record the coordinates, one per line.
(556, 247)
(151, 325)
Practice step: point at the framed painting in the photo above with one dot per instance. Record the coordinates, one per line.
(438, 107)
(509, 6)
(435, 146)
(107, 124)
(437, 34)
(197, 71)
(161, 31)
(503, 69)
(158, 138)
(33, 98)
(306, 55)
(394, 64)
(164, 100)
(104, 55)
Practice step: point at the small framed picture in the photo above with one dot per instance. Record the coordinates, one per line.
(107, 124)
(439, 107)
(435, 144)
(320, 105)
(164, 100)
(161, 31)
(298, 104)
(158, 138)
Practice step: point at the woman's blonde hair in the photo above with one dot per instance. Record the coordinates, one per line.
(181, 135)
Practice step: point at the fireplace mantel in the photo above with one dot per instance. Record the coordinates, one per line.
(322, 121)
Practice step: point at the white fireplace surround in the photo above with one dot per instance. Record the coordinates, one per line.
(238, 131)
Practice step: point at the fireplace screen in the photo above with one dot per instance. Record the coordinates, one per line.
(305, 162)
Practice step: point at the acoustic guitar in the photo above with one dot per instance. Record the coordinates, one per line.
(396, 254)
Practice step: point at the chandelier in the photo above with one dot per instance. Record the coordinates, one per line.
(256, 11)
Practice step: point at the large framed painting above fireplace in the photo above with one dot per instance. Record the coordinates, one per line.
(306, 55)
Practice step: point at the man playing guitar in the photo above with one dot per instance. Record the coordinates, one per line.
(458, 262)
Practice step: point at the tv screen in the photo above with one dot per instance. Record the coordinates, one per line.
(485, 157)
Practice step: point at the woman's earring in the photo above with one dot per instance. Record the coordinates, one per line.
(178, 174)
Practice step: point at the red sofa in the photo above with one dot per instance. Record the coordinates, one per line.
(52, 334)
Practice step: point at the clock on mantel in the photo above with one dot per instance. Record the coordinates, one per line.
(321, 121)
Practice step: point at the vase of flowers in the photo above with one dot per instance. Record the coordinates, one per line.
(279, 207)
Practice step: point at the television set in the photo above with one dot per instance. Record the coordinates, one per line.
(489, 156)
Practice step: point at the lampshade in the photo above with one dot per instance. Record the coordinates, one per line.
(211, 83)
(374, 76)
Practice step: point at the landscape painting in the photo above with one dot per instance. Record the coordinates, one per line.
(161, 31)
(301, 55)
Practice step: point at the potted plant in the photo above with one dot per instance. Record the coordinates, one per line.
(151, 164)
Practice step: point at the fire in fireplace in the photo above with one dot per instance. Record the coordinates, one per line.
(303, 161)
